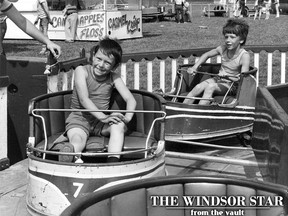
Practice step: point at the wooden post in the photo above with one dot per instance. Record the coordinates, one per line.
(4, 81)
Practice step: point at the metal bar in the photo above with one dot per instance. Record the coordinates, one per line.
(90, 154)
(216, 146)
(207, 158)
(87, 110)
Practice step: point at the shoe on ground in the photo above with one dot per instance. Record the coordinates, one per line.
(68, 148)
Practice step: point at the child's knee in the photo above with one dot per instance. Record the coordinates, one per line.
(199, 87)
(119, 127)
(210, 88)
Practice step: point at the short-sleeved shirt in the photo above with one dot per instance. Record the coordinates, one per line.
(5, 5)
(40, 10)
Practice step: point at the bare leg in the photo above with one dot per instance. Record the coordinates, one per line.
(277, 10)
(255, 15)
(77, 137)
(219, 89)
(197, 90)
(116, 141)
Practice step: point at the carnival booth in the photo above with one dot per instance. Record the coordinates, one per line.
(121, 19)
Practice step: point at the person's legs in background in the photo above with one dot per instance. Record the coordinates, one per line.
(277, 8)
(3, 29)
(177, 18)
(268, 6)
(74, 22)
(43, 26)
(71, 27)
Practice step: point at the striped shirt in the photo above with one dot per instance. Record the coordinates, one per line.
(40, 10)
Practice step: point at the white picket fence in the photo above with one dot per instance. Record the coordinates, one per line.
(149, 71)
(158, 69)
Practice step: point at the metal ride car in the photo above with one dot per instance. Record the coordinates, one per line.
(54, 185)
(228, 115)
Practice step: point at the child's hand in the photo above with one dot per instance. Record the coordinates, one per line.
(114, 118)
(192, 70)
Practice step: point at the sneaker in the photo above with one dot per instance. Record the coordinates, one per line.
(112, 159)
(69, 148)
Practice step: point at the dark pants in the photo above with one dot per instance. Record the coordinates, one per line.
(179, 12)
(242, 6)
(3, 28)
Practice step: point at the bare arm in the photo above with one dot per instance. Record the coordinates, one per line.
(26, 26)
(203, 59)
(127, 96)
(245, 62)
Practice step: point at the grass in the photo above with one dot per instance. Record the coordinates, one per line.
(168, 35)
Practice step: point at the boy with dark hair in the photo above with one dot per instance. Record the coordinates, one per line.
(234, 60)
(92, 90)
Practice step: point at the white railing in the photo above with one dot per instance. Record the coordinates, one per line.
(154, 70)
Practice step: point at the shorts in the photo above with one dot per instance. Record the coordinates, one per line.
(77, 120)
(227, 84)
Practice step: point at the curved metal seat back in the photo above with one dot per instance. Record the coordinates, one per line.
(143, 197)
(246, 91)
(55, 121)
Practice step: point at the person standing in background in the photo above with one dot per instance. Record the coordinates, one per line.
(187, 13)
(268, 7)
(259, 6)
(242, 4)
(3, 28)
(44, 17)
(70, 13)
(179, 10)
(276, 2)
